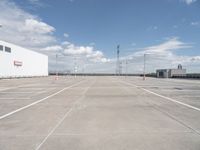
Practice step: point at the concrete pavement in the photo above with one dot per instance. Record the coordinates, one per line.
(94, 113)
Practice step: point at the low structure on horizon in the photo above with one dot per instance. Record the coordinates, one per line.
(170, 73)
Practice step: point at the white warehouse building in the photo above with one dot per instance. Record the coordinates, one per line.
(16, 61)
(170, 73)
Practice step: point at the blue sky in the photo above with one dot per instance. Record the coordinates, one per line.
(91, 29)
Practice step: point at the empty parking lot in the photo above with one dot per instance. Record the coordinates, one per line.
(99, 113)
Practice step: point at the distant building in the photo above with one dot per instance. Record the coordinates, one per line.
(169, 73)
(16, 61)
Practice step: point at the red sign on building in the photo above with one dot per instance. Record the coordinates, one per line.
(18, 63)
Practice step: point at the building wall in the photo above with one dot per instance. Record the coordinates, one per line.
(177, 72)
(163, 73)
(168, 73)
(27, 63)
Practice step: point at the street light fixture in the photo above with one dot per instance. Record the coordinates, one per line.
(144, 77)
(145, 54)
(75, 66)
(56, 66)
(126, 67)
(126, 62)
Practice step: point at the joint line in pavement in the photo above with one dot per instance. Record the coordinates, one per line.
(165, 97)
(38, 101)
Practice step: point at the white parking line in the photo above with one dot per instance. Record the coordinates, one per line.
(9, 88)
(192, 96)
(15, 87)
(17, 92)
(12, 98)
(64, 117)
(167, 98)
(36, 102)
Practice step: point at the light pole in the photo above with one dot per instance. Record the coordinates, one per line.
(144, 77)
(1, 26)
(56, 66)
(145, 54)
(118, 61)
(126, 66)
(75, 66)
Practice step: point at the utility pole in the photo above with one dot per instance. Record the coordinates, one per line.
(118, 63)
(75, 66)
(144, 67)
(1, 26)
(56, 66)
(126, 66)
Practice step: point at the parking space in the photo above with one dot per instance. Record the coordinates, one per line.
(93, 113)
(32, 90)
(187, 91)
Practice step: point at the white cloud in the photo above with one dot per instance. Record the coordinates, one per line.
(66, 35)
(188, 2)
(23, 28)
(159, 56)
(33, 25)
(86, 51)
(152, 28)
(92, 44)
(33, 1)
(52, 48)
(27, 30)
(65, 43)
(196, 23)
(97, 56)
(155, 27)
(36, 3)
(165, 48)
(163, 56)
(133, 44)
(175, 26)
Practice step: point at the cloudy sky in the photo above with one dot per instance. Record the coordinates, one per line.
(85, 33)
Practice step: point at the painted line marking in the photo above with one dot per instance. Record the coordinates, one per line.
(64, 117)
(13, 98)
(51, 132)
(36, 102)
(26, 92)
(19, 86)
(190, 96)
(8, 88)
(18, 92)
(167, 98)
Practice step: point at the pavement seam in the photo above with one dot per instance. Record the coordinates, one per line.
(64, 117)
(176, 119)
(17, 86)
(38, 101)
(164, 97)
(170, 116)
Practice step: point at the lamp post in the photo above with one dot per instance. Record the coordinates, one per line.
(126, 67)
(144, 77)
(56, 66)
(75, 66)
(1, 26)
(118, 61)
(145, 54)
